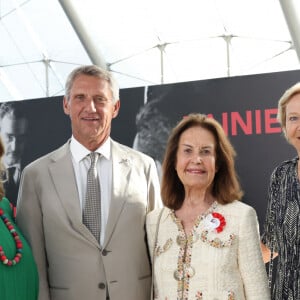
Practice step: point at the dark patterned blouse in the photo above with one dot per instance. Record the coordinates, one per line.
(282, 229)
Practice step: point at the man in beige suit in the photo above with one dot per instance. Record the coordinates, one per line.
(73, 264)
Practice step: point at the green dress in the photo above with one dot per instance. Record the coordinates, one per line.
(18, 282)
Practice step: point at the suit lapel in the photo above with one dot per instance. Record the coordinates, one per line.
(63, 177)
(121, 167)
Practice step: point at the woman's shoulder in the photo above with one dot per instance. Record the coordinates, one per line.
(283, 166)
(239, 214)
(153, 216)
(238, 208)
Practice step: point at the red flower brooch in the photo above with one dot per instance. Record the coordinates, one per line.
(215, 221)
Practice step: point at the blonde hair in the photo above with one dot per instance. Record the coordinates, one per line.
(282, 103)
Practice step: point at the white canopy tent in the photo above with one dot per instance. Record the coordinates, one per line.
(142, 42)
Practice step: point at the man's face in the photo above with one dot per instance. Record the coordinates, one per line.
(91, 110)
(13, 134)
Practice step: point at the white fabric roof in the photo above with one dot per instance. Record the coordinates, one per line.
(143, 42)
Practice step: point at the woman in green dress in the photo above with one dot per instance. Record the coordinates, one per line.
(18, 271)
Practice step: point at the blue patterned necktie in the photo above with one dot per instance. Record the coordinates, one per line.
(92, 208)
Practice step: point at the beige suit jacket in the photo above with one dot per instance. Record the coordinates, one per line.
(72, 265)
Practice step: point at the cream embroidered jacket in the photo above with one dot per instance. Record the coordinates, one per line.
(206, 265)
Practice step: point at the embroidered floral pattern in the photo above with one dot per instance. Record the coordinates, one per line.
(184, 270)
(192, 238)
(230, 295)
(159, 250)
(217, 242)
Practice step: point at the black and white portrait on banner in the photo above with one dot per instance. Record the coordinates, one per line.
(13, 131)
(28, 130)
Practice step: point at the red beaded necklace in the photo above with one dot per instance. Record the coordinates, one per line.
(19, 246)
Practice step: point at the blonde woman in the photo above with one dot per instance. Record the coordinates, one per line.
(281, 233)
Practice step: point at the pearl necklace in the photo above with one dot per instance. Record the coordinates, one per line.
(19, 245)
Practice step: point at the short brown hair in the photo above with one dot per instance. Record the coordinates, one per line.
(226, 186)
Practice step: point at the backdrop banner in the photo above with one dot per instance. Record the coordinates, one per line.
(246, 107)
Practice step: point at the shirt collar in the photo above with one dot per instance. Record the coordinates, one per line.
(79, 152)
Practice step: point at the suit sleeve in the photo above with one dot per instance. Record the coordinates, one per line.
(30, 221)
(154, 199)
(250, 260)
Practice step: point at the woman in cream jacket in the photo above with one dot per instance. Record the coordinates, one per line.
(205, 243)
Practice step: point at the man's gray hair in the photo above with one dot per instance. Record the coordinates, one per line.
(93, 70)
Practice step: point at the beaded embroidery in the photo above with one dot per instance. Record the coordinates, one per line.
(184, 270)
(217, 242)
(199, 295)
(231, 295)
(159, 250)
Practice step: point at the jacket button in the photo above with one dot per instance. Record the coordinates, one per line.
(101, 286)
(104, 252)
